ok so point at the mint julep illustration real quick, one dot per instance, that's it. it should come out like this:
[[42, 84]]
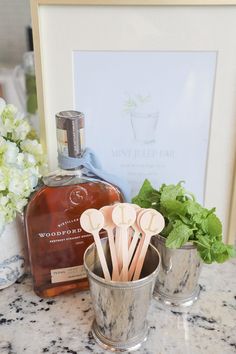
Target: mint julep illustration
[[143, 116]]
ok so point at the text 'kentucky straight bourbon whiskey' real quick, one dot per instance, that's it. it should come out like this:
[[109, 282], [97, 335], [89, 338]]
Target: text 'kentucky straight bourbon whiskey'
[[55, 238]]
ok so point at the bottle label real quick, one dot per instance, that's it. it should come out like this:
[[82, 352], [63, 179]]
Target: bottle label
[[66, 274]]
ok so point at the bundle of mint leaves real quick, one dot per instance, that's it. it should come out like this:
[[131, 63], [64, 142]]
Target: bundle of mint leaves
[[186, 221]]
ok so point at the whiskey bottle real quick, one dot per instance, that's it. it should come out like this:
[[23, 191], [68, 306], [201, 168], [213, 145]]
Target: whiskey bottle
[[56, 240]]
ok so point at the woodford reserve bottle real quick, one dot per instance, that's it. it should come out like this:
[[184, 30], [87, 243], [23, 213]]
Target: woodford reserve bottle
[[55, 239]]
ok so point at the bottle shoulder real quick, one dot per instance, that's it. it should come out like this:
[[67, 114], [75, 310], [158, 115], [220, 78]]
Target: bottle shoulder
[[61, 178], [69, 190]]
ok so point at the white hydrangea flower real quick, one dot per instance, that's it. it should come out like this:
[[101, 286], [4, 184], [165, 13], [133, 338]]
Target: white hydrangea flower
[[32, 146], [16, 184], [18, 117], [9, 125], [11, 152], [21, 160], [4, 206], [20, 132], [20, 203], [3, 129], [32, 182], [34, 171], [11, 109], [30, 159], [3, 200], [2, 144], [9, 211], [3, 178], [2, 105]]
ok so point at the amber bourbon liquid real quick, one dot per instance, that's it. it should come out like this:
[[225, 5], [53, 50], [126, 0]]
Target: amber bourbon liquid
[[56, 241]]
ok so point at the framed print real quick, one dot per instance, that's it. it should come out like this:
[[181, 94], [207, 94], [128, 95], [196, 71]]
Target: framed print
[[156, 83], [152, 102]]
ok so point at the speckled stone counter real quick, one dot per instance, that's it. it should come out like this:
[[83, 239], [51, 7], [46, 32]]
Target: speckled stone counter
[[32, 325]]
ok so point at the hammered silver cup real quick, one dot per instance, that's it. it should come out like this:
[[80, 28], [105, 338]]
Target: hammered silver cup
[[177, 283], [120, 307]]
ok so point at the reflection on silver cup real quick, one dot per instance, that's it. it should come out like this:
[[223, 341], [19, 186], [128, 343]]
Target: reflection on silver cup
[[120, 307], [177, 283], [144, 126]]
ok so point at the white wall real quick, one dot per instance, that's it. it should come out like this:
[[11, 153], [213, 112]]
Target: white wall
[[14, 17]]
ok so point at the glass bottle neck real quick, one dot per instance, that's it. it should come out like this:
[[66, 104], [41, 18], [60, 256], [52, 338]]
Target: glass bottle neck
[[78, 170], [70, 136]]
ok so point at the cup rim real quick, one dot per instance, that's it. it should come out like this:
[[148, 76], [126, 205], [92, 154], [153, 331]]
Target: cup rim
[[124, 284]]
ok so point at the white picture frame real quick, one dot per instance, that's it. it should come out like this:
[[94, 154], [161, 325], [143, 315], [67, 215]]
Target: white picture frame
[[61, 27]]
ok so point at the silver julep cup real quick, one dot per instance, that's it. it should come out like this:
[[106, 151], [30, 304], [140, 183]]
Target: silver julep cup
[[120, 307], [177, 283]]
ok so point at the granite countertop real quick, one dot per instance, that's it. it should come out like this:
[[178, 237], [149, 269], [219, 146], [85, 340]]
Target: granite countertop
[[61, 325]]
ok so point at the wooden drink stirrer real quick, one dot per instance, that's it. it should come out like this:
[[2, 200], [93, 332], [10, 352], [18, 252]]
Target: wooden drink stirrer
[[140, 245], [135, 239], [137, 232], [92, 221], [118, 245], [132, 230], [109, 227], [124, 215], [152, 223]]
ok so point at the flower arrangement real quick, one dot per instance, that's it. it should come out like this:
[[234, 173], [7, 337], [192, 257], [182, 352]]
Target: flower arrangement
[[21, 162]]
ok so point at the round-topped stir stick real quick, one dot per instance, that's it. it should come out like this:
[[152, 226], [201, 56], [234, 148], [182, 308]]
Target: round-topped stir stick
[[132, 233], [140, 245], [124, 215], [92, 221], [109, 227], [118, 248], [152, 223], [137, 232], [118, 240], [133, 244], [118, 245]]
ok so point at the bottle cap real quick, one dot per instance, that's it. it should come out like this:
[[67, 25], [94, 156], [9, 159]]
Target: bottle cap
[[70, 133]]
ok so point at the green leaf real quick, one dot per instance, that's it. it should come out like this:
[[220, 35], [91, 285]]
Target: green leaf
[[217, 252], [167, 229], [214, 225], [211, 226], [203, 240], [171, 192], [231, 250], [193, 207], [218, 247], [203, 223], [205, 255], [186, 220], [143, 199], [221, 252], [179, 235], [221, 257], [174, 207], [146, 189]]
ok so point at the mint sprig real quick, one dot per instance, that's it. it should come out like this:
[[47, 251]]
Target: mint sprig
[[186, 221]]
